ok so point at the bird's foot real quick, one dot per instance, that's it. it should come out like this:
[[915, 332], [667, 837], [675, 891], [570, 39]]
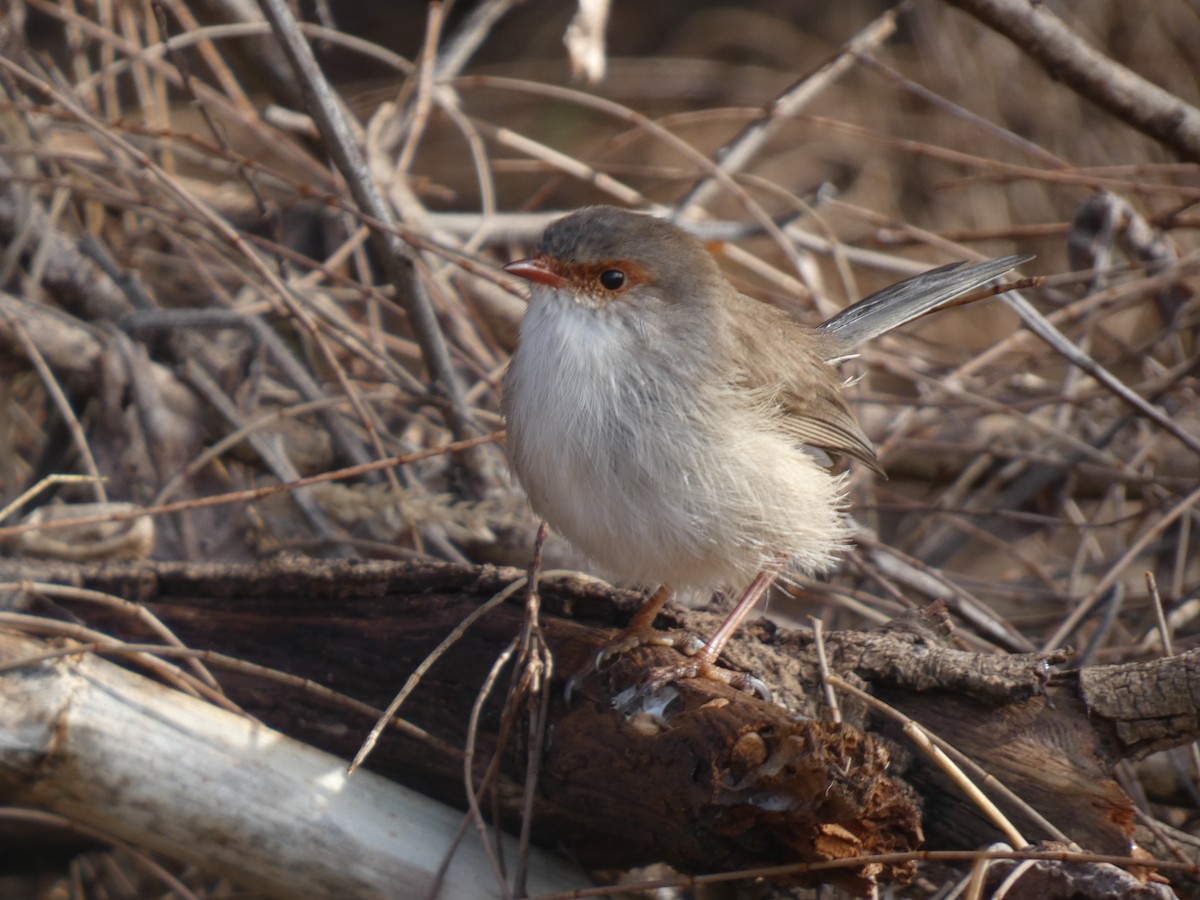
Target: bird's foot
[[701, 662], [631, 639], [699, 666]]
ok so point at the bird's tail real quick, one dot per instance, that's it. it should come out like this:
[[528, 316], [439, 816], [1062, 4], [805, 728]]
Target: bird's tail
[[909, 299]]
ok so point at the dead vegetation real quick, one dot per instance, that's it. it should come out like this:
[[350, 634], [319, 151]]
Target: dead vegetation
[[210, 289]]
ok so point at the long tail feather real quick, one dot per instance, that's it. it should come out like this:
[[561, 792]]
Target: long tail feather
[[907, 300]]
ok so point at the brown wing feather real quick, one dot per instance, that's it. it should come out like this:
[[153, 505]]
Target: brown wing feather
[[794, 373]]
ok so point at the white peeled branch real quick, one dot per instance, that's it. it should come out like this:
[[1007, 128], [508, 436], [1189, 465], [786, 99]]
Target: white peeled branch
[[145, 763]]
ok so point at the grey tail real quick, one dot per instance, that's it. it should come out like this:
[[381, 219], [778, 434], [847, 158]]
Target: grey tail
[[911, 298]]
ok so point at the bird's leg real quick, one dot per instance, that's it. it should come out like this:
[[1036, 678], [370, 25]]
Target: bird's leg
[[640, 632], [703, 663], [642, 622]]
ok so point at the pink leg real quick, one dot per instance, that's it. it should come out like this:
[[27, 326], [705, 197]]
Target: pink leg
[[703, 664], [756, 591]]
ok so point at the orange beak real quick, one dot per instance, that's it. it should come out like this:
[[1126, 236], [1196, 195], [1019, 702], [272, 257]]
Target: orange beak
[[537, 270]]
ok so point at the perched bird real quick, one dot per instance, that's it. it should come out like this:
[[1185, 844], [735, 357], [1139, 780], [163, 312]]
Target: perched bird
[[679, 432]]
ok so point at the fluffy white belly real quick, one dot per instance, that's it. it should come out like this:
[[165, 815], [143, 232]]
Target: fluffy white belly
[[656, 481]]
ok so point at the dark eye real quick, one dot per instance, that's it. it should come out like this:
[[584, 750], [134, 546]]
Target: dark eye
[[612, 279]]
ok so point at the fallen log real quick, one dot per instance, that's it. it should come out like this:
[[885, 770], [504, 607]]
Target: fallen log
[[709, 778]]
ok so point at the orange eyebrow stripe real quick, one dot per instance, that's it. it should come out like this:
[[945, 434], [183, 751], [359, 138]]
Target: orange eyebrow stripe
[[586, 276]]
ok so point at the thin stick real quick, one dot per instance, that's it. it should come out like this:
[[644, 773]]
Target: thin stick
[[45, 483], [471, 33], [1017, 873], [1041, 326], [541, 665], [1100, 590], [418, 113], [831, 701], [767, 873], [172, 674], [926, 741], [54, 820], [143, 615], [323, 106], [215, 450], [537, 745], [1069, 59], [737, 153], [257, 493], [108, 646], [469, 761], [1163, 629], [62, 404], [434, 655]]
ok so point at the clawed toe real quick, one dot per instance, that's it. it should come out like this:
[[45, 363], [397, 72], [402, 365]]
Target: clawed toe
[[646, 694], [701, 662], [686, 643]]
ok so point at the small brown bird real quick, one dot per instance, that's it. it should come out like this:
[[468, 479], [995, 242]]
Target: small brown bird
[[679, 432]]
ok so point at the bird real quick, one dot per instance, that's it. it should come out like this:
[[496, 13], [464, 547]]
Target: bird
[[680, 433]]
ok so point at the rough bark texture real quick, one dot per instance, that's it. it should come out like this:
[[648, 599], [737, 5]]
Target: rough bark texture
[[1149, 704]]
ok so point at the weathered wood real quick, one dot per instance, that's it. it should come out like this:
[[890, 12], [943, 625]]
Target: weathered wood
[[1150, 705], [145, 763]]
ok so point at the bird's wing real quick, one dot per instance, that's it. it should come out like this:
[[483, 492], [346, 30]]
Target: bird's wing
[[813, 409], [792, 375]]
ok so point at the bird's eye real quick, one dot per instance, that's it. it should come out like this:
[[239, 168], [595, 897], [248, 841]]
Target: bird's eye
[[612, 279]]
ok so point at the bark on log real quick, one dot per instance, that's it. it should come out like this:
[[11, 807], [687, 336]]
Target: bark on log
[[715, 780]]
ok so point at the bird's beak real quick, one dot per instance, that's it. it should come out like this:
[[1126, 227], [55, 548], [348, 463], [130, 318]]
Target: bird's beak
[[537, 270]]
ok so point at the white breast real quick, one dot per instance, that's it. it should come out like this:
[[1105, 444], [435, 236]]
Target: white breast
[[658, 481]]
